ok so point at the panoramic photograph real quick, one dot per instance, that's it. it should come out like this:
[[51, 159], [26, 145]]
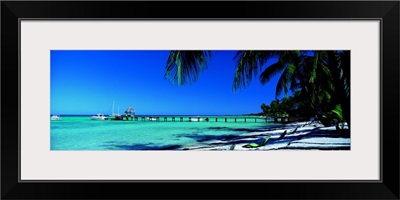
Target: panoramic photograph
[[200, 100]]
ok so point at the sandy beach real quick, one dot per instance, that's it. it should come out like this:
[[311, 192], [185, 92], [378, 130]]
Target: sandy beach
[[299, 136]]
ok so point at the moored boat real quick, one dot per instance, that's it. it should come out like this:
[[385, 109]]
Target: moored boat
[[114, 114], [98, 117], [55, 117]]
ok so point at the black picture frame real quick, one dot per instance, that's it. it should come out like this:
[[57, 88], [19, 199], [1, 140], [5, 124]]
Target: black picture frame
[[386, 11]]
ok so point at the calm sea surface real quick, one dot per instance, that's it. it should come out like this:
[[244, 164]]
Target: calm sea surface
[[82, 133]]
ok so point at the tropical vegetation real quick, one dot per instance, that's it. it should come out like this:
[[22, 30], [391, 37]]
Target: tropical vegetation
[[318, 80], [292, 106]]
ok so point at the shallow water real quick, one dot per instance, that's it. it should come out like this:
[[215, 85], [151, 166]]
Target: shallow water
[[82, 133]]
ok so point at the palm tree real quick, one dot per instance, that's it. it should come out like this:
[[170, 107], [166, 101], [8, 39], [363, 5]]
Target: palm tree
[[320, 77], [339, 65], [326, 84], [299, 71]]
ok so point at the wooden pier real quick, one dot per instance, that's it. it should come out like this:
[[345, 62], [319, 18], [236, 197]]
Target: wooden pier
[[190, 119], [207, 119]]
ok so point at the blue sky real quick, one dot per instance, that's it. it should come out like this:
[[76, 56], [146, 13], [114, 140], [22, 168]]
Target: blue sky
[[87, 82]]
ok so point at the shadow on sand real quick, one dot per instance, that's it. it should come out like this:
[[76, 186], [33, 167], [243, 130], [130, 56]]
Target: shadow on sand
[[149, 146], [217, 140], [284, 143]]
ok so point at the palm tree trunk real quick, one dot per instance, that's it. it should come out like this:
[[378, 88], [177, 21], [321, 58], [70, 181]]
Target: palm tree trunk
[[341, 77]]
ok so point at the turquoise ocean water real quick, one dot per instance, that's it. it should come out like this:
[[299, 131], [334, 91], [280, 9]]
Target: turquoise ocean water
[[82, 133]]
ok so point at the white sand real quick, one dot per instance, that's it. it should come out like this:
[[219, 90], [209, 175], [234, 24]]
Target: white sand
[[300, 139]]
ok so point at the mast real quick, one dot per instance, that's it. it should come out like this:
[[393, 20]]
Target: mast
[[113, 109]]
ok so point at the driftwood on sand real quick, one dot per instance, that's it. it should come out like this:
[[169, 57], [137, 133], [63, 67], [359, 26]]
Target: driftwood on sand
[[285, 132]]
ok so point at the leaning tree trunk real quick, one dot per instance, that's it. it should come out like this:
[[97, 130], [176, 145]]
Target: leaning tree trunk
[[316, 109], [324, 121]]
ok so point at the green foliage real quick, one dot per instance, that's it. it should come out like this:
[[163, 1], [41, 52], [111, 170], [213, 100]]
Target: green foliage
[[266, 109], [287, 106], [338, 112], [184, 67], [335, 116], [248, 65], [320, 80]]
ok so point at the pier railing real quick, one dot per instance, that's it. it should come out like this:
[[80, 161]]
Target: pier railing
[[192, 119]]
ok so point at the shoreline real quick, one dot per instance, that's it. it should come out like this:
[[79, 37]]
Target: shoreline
[[298, 136]]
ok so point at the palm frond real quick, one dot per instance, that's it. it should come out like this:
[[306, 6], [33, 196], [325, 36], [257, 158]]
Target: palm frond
[[248, 65], [338, 111], [271, 71], [184, 67], [283, 83], [313, 73]]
